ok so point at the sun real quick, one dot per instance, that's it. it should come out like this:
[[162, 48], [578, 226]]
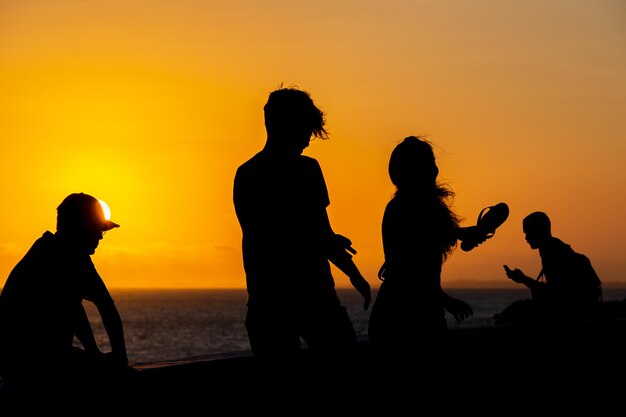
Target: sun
[[105, 209]]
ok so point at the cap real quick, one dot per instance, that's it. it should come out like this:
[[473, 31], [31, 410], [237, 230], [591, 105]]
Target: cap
[[83, 209]]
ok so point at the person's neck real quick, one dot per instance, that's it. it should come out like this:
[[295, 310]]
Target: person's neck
[[69, 241], [275, 148]]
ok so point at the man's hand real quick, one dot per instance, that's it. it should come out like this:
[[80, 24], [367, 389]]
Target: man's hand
[[343, 260], [344, 243], [515, 275]]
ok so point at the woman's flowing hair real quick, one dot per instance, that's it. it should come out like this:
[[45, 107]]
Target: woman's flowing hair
[[413, 170], [445, 198]]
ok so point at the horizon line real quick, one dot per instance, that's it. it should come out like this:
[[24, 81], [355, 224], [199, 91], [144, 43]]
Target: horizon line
[[457, 284]]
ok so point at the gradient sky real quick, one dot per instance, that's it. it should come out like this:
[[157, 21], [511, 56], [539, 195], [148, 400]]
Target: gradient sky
[[152, 105]]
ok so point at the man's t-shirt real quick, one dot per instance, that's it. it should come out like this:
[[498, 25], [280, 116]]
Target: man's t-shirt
[[280, 203]]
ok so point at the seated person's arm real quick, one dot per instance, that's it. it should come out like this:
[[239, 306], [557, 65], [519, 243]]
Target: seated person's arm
[[112, 323], [516, 275], [84, 333]]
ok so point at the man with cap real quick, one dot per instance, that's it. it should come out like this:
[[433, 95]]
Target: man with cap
[[41, 310]]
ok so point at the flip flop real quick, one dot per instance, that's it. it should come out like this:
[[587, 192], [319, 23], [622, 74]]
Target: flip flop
[[489, 219]]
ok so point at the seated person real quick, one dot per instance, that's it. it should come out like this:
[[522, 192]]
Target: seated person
[[41, 308], [571, 287]]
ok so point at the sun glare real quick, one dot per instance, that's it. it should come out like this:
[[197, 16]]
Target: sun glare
[[106, 209]]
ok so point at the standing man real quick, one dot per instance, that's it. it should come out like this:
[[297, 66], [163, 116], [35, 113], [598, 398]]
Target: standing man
[[280, 198], [41, 308]]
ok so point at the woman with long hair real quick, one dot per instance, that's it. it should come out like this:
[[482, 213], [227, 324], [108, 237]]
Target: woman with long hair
[[419, 232]]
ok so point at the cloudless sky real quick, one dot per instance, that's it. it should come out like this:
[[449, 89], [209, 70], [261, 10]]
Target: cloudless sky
[[152, 105]]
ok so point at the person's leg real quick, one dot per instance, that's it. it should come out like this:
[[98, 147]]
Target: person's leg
[[328, 328], [271, 333]]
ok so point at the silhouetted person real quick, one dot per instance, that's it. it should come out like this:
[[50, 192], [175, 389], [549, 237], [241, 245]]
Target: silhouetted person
[[419, 231], [41, 308], [280, 198], [571, 288]]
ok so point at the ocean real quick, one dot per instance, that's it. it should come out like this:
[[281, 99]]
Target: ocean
[[164, 325]]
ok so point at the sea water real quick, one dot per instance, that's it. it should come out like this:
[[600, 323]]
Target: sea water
[[164, 325]]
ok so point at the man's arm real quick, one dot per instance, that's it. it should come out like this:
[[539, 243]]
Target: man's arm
[[84, 333], [338, 248], [339, 252], [112, 323], [340, 257], [516, 275]]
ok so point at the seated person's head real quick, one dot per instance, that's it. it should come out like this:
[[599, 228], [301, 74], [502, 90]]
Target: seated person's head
[[81, 220], [537, 228]]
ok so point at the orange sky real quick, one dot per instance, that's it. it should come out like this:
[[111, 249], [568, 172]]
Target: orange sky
[[152, 105]]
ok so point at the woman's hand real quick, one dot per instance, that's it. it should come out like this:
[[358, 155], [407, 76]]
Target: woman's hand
[[459, 309]]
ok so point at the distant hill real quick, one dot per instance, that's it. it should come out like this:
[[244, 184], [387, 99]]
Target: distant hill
[[504, 284]]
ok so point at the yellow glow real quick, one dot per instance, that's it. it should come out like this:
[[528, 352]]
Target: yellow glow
[[524, 102], [105, 209]]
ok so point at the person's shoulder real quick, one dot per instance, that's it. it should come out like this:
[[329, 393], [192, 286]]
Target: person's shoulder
[[557, 245], [558, 252], [45, 240], [393, 202], [251, 163], [252, 160], [308, 159], [42, 248], [47, 236], [392, 207], [309, 162]]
